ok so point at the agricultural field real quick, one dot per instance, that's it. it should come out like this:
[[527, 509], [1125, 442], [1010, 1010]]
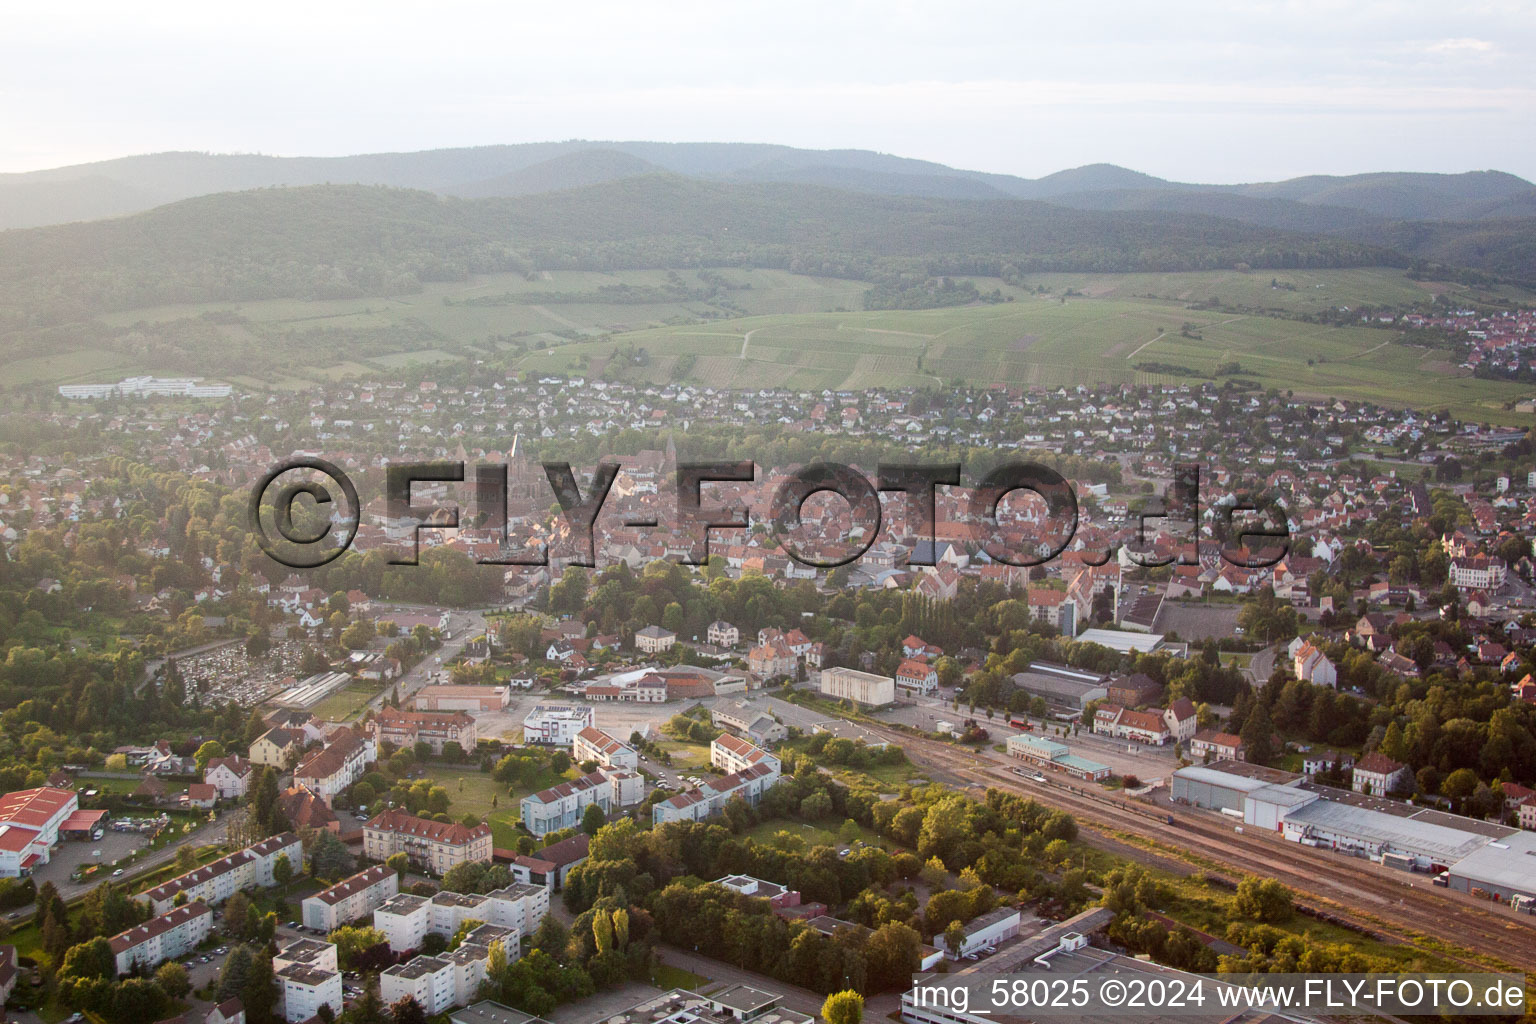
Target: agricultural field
[[1052, 341], [764, 328]]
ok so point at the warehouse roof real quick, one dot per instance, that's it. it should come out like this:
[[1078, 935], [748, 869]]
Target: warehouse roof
[[1435, 841], [1509, 863]]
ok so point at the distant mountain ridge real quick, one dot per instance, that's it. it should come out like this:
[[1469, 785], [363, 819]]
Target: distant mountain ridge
[[1481, 220], [136, 183]]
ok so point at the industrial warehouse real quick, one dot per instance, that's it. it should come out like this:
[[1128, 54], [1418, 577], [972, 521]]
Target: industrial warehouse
[[1478, 857]]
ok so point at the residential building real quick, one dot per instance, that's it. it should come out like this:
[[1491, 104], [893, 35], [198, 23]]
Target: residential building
[[722, 634], [1133, 691], [711, 798], [1478, 572], [654, 639], [404, 729], [1182, 720], [917, 677], [1379, 775], [431, 845], [306, 989], [749, 722], [772, 659], [217, 881], [556, 725], [1217, 746], [406, 920], [733, 754], [161, 938], [592, 744], [549, 866], [274, 747], [1053, 608], [1313, 666], [1122, 723], [334, 767], [562, 805], [230, 776], [628, 786], [351, 899], [864, 688]]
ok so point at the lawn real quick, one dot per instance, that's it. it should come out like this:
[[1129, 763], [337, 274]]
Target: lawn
[[686, 755], [346, 703], [667, 977], [474, 792]]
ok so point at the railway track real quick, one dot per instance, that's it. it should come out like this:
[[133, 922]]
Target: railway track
[[1401, 907]]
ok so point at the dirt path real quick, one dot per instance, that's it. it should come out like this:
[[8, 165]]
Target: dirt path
[[1144, 345]]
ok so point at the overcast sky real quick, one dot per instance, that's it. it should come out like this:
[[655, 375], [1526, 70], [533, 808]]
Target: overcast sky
[[1216, 92]]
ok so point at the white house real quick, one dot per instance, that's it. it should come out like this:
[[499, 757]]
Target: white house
[[161, 938], [350, 899]]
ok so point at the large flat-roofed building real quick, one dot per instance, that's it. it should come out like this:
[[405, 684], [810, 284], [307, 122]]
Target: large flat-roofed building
[[161, 938], [452, 697], [449, 979], [30, 822], [1391, 831], [308, 974], [1501, 869], [1122, 641], [989, 929], [407, 919], [1061, 686], [432, 845], [216, 882], [488, 1012], [350, 899], [556, 725], [732, 1003], [1347, 826], [864, 688]]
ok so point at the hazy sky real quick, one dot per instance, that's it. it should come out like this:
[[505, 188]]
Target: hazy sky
[[1215, 92]]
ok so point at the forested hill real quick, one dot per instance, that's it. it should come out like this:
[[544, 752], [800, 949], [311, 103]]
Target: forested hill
[[347, 240]]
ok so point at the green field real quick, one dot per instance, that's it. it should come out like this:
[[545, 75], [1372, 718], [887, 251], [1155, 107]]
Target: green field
[[346, 703], [1044, 341], [474, 792], [775, 328]]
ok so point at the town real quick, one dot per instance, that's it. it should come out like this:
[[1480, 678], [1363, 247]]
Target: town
[[749, 787]]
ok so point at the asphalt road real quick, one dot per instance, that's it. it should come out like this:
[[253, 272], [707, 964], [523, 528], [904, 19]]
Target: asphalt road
[[463, 625]]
